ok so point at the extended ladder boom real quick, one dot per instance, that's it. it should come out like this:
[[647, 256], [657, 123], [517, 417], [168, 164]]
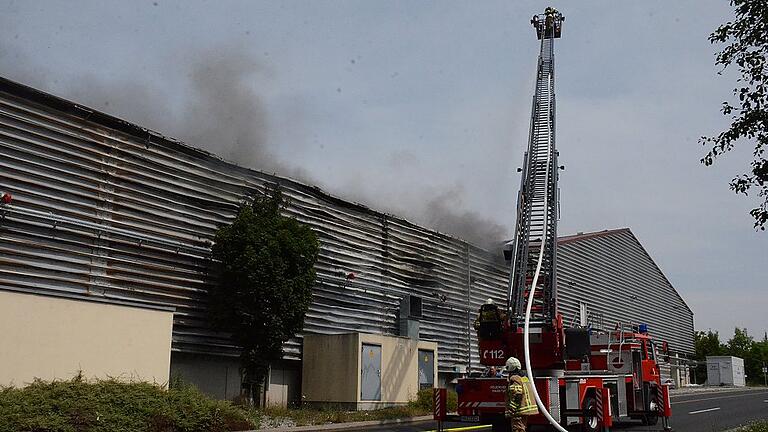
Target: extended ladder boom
[[537, 209]]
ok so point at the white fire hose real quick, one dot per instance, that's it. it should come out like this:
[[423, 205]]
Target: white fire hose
[[526, 346]]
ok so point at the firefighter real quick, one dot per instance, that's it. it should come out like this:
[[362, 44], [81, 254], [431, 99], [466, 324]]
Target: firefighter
[[490, 321], [520, 401], [550, 14]]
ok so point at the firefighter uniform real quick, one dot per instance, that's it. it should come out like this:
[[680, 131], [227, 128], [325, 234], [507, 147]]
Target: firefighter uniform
[[520, 403], [490, 321]]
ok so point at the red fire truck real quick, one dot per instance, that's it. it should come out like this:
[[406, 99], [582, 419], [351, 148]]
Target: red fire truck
[[581, 375], [606, 376]]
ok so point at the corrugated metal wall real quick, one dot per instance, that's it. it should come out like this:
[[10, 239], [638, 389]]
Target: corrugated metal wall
[[129, 215], [105, 208], [613, 274]]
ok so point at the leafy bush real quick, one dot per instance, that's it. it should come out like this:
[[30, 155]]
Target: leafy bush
[[759, 426], [424, 400], [112, 405]]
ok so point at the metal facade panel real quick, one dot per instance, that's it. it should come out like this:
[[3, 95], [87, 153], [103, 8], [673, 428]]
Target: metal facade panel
[[108, 210], [614, 275], [121, 216]]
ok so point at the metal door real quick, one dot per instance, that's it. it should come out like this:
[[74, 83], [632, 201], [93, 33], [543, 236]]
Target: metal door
[[370, 373], [426, 369], [713, 374]]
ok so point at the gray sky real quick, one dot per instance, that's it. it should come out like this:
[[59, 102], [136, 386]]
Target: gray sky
[[422, 109]]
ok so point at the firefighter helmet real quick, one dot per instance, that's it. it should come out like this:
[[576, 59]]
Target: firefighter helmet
[[513, 364]]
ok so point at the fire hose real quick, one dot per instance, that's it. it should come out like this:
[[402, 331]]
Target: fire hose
[[526, 328]]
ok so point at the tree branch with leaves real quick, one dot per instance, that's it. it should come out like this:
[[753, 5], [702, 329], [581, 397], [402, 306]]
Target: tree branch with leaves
[[746, 40]]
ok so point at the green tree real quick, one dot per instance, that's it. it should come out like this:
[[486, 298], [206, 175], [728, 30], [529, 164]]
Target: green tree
[[265, 265], [740, 344], [763, 358], [705, 344], [753, 352], [746, 40], [759, 357]]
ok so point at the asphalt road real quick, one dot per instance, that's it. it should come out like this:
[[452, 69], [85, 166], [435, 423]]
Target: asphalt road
[[704, 412], [718, 411]]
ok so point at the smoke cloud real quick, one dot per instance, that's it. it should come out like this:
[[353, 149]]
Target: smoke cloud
[[225, 114], [221, 111], [446, 213]]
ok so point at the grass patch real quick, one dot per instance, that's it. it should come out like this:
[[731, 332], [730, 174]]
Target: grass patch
[[758, 426], [421, 405], [111, 405], [274, 416]]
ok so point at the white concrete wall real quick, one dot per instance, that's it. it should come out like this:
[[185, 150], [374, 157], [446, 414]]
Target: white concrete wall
[[739, 374], [219, 377], [284, 384], [54, 338], [330, 369], [216, 376]]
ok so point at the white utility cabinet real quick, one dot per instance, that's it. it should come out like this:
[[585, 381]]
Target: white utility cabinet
[[725, 370]]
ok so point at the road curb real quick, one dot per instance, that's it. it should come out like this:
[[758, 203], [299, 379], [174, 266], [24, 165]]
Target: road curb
[[346, 426]]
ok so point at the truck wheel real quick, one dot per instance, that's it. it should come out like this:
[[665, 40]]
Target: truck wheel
[[652, 417], [590, 422]]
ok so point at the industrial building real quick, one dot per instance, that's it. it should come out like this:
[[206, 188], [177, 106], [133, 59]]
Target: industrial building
[[101, 213]]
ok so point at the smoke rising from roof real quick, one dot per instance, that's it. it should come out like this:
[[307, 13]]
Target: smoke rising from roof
[[446, 213], [220, 111], [225, 113]]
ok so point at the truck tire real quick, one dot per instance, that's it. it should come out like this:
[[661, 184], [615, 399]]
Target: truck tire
[[589, 420], [652, 416]]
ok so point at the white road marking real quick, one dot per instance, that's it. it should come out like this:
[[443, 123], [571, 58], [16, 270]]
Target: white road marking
[[704, 410]]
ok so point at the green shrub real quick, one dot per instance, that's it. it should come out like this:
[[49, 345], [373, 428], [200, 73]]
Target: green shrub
[[424, 399], [758, 426], [112, 405]]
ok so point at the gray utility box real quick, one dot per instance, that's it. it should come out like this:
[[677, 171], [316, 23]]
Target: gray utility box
[[725, 370]]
